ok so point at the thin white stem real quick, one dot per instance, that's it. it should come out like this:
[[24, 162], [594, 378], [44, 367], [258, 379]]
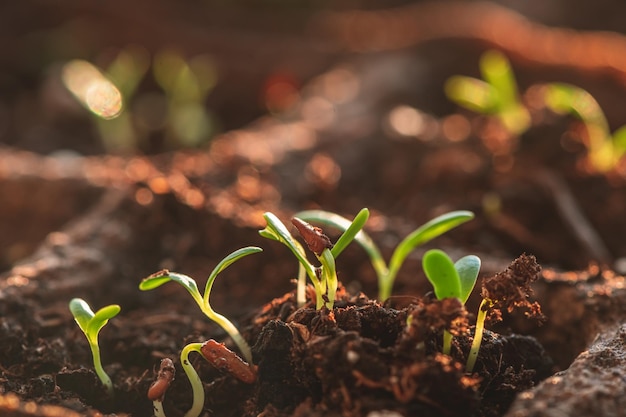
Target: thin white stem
[[158, 409]]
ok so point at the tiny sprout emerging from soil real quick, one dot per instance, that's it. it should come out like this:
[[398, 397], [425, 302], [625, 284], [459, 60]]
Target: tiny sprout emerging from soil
[[505, 291], [387, 273], [605, 150], [324, 278], [223, 359], [161, 277], [156, 392], [91, 323], [450, 280], [496, 95]]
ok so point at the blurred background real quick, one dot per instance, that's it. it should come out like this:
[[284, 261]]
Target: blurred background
[[138, 77]]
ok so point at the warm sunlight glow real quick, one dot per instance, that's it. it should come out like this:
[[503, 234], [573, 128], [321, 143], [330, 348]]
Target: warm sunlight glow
[[406, 121], [92, 89]]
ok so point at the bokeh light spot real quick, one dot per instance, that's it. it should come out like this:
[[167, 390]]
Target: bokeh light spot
[[96, 92]]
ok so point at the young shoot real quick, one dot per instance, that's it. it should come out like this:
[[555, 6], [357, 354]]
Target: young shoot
[[223, 359], [324, 278], [386, 273], [450, 280], [91, 323], [159, 278], [156, 392], [506, 290], [496, 94], [197, 389], [605, 150]]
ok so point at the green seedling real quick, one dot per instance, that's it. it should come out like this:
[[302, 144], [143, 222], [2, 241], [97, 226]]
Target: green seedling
[[483, 309], [605, 150], [91, 323], [197, 388], [159, 278], [324, 278], [450, 280], [496, 94], [386, 273], [221, 358]]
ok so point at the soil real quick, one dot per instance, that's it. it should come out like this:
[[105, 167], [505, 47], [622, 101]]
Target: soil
[[94, 226]]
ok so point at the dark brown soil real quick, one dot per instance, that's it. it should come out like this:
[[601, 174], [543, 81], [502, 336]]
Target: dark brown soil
[[94, 226]]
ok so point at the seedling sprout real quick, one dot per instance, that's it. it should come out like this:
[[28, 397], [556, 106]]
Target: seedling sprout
[[91, 323], [387, 273], [156, 392], [324, 278], [496, 94], [220, 357], [605, 150], [450, 280], [159, 278]]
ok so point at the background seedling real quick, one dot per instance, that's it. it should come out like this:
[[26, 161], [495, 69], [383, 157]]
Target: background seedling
[[450, 279], [159, 278], [605, 150], [497, 94], [324, 278], [91, 323], [387, 273]]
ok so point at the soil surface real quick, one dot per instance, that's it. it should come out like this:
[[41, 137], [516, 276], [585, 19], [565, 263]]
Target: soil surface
[[79, 222]]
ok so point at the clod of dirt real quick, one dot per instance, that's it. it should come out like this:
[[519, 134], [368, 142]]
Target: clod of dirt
[[594, 385]]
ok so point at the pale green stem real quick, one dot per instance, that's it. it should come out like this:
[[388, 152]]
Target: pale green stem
[[197, 388], [329, 274], [301, 287], [232, 331], [447, 342], [319, 292], [97, 363], [478, 334], [158, 409]]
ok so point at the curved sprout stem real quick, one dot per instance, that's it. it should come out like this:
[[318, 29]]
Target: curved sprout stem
[[478, 334], [196, 384]]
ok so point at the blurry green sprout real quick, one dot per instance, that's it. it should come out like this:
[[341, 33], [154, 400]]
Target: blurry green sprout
[[159, 278], [605, 150], [496, 94], [91, 323], [387, 273], [450, 280], [324, 278]]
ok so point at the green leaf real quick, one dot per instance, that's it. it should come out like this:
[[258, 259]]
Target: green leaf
[[428, 231], [159, 278], [276, 230], [334, 220], [467, 267], [472, 93], [225, 263], [91, 323], [442, 274], [101, 318], [350, 233], [497, 71], [82, 313]]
